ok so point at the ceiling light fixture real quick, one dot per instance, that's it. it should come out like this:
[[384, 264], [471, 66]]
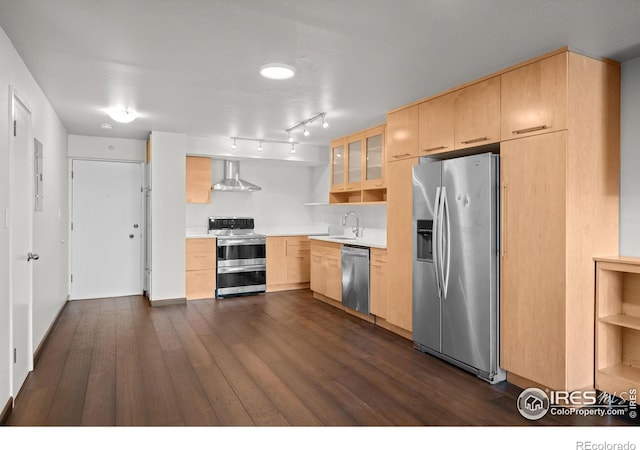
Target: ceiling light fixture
[[106, 126], [306, 122], [261, 141], [293, 149], [277, 71], [290, 137], [122, 115]]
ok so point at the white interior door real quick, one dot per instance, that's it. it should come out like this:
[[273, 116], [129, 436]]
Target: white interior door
[[107, 229], [21, 237]]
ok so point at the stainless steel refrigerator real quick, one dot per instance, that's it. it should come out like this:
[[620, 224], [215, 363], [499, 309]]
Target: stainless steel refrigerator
[[455, 262]]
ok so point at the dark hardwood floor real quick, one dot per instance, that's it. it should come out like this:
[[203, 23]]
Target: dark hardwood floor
[[273, 359]]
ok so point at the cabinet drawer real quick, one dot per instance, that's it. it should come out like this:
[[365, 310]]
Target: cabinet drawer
[[201, 245], [379, 255], [200, 284], [199, 261], [297, 248]]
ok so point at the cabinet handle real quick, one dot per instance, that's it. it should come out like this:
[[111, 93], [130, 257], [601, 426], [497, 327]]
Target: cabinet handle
[[529, 130], [503, 222], [473, 141], [402, 155], [440, 147]]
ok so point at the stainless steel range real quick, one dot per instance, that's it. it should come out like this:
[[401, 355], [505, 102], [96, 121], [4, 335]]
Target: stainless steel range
[[241, 256]]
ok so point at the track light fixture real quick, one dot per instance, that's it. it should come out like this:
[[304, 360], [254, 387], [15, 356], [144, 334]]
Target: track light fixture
[[293, 148], [262, 141], [306, 122]]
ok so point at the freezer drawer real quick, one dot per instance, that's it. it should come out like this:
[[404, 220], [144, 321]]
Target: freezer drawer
[[355, 278]]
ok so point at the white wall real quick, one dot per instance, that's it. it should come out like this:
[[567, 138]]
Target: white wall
[[286, 187], [630, 160], [50, 225], [168, 166], [93, 147]]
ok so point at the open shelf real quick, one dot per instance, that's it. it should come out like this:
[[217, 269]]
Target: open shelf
[[617, 325], [622, 320]]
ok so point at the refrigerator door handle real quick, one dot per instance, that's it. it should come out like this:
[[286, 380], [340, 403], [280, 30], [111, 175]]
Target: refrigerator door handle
[[436, 240], [445, 275]]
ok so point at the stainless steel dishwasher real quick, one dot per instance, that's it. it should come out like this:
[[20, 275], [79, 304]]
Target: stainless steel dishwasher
[[355, 278]]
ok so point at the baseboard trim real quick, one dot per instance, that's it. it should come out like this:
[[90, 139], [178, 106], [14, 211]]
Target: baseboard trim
[[394, 328], [287, 287], [6, 411], [167, 302], [38, 353]]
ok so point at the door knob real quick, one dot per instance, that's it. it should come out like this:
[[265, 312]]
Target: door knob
[[33, 256], [131, 236], [135, 225]]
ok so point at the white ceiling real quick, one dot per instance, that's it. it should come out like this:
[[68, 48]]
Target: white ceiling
[[191, 66]]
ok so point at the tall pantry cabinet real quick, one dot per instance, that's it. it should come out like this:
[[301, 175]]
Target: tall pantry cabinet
[[560, 158]]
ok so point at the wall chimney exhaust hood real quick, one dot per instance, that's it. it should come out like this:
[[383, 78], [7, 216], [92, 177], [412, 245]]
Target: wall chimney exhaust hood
[[232, 182]]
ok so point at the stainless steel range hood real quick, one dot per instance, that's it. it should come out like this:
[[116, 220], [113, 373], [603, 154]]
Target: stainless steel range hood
[[232, 182]]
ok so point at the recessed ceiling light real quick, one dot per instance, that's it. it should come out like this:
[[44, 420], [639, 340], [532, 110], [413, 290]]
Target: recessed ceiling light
[[276, 71], [122, 115], [107, 126]]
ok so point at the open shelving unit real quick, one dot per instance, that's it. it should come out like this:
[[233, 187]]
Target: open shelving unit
[[617, 324]]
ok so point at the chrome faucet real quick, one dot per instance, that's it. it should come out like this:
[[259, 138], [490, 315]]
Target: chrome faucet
[[356, 229]]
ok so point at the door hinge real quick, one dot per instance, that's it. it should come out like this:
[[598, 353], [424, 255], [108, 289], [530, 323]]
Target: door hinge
[[15, 355], [72, 278], [15, 126], [71, 226], [72, 174]]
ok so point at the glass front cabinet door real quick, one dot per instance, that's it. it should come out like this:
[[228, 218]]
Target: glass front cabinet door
[[354, 162], [338, 165], [373, 158]]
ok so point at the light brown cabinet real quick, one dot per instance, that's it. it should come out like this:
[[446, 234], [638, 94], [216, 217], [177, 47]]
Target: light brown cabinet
[[378, 283], [618, 325], [200, 265], [436, 125], [534, 98], [288, 263], [357, 167], [559, 209], [402, 133], [338, 165], [198, 178], [326, 269], [477, 114], [399, 206]]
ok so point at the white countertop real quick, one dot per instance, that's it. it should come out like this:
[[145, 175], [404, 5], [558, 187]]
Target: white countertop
[[304, 230], [364, 242]]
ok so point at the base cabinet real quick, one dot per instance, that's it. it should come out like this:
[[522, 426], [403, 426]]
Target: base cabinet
[[618, 325], [200, 268], [378, 283], [326, 269], [288, 263]]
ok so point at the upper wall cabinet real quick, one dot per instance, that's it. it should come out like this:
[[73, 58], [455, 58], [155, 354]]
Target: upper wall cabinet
[[436, 125], [338, 165], [357, 167], [477, 114], [353, 161], [402, 133], [534, 98], [373, 140], [198, 179]]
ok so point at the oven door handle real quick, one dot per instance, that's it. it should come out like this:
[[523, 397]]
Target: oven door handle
[[238, 269], [229, 242]]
